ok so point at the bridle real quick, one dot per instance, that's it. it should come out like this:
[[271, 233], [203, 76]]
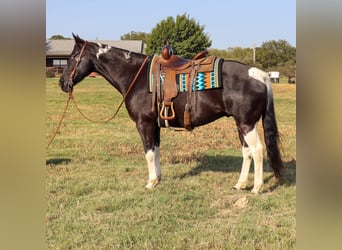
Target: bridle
[[78, 59]]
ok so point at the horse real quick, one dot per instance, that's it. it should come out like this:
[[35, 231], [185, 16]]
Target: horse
[[246, 95]]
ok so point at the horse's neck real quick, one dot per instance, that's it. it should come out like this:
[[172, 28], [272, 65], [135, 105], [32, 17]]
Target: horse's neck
[[119, 68]]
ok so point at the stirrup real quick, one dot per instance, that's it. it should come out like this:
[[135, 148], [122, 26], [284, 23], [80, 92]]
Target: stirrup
[[166, 117]]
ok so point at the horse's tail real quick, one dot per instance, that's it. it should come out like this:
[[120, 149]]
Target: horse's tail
[[271, 133]]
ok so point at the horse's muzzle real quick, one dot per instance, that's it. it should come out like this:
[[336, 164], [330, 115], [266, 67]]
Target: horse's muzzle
[[70, 85], [66, 86]]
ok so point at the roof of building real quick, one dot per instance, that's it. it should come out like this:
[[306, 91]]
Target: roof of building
[[64, 47]]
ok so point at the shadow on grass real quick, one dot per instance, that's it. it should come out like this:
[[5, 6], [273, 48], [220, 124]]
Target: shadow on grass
[[290, 177], [229, 164], [57, 161]]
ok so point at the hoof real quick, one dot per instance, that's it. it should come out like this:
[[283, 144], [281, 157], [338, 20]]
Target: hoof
[[152, 183], [240, 186], [256, 190]]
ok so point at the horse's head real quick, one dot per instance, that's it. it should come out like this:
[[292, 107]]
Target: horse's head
[[79, 65]]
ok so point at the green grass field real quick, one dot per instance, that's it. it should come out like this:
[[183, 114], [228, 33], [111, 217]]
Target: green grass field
[[96, 176]]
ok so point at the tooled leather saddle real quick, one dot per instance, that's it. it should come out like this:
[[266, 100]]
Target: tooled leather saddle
[[168, 66]]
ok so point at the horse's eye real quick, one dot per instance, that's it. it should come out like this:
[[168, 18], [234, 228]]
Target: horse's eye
[[74, 57]]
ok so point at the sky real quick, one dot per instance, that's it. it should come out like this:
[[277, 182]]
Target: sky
[[229, 23]]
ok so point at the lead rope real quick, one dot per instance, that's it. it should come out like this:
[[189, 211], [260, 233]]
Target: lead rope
[[91, 120], [71, 97], [122, 102], [60, 121]]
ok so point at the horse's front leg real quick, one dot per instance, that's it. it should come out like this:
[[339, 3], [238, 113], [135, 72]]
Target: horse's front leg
[[150, 136], [153, 163]]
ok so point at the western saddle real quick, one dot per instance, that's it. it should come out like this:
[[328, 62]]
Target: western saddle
[[168, 66]]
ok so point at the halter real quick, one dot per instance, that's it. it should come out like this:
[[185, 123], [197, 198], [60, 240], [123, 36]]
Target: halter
[[78, 59]]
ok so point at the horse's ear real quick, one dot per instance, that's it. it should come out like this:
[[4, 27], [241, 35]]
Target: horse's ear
[[78, 40]]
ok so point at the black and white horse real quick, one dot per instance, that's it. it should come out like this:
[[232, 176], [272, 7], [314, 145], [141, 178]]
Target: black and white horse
[[246, 95]]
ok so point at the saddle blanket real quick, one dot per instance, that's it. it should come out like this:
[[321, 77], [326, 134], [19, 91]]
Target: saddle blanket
[[203, 80]]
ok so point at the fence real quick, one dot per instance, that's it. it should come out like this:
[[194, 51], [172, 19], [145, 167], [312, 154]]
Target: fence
[[51, 72]]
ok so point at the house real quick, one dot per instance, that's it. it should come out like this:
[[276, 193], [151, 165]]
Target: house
[[58, 52], [275, 76]]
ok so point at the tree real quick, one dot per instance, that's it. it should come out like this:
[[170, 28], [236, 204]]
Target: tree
[[240, 54], [271, 56], [58, 37], [186, 36], [133, 35], [275, 53]]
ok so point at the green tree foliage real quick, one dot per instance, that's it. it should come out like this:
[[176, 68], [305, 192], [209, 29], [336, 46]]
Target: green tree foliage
[[133, 35], [186, 36], [58, 37], [240, 54], [271, 56], [275, 53], [219, 53]]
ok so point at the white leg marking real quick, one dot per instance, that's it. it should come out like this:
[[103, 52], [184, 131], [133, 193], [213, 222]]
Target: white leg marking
[[102, 50], [253, 141], [153, 168], [246, 163]]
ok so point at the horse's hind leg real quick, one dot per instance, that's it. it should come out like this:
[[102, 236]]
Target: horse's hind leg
[[246, 163], [252, 148], [253, 141]]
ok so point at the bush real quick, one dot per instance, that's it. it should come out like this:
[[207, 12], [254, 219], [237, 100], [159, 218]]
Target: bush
[[50, 74]]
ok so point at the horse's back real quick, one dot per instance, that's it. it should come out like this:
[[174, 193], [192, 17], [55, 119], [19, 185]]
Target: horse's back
[[243, 94], [238, 77]]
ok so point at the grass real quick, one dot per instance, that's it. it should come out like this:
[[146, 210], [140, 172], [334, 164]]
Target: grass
[[96, 175]]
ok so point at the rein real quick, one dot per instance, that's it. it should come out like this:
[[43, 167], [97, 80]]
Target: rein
[[71, 97], [60, 122]]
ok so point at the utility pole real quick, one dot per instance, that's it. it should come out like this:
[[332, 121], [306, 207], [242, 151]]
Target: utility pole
[[254, 53]]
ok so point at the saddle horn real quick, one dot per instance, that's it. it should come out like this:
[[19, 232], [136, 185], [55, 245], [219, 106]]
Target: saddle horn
[[167, 51]]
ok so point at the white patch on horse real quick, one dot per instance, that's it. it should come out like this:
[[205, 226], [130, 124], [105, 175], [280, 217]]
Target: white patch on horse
[[153, 163], [102, 49], [258, 74], [263, 77], [128, 55]]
